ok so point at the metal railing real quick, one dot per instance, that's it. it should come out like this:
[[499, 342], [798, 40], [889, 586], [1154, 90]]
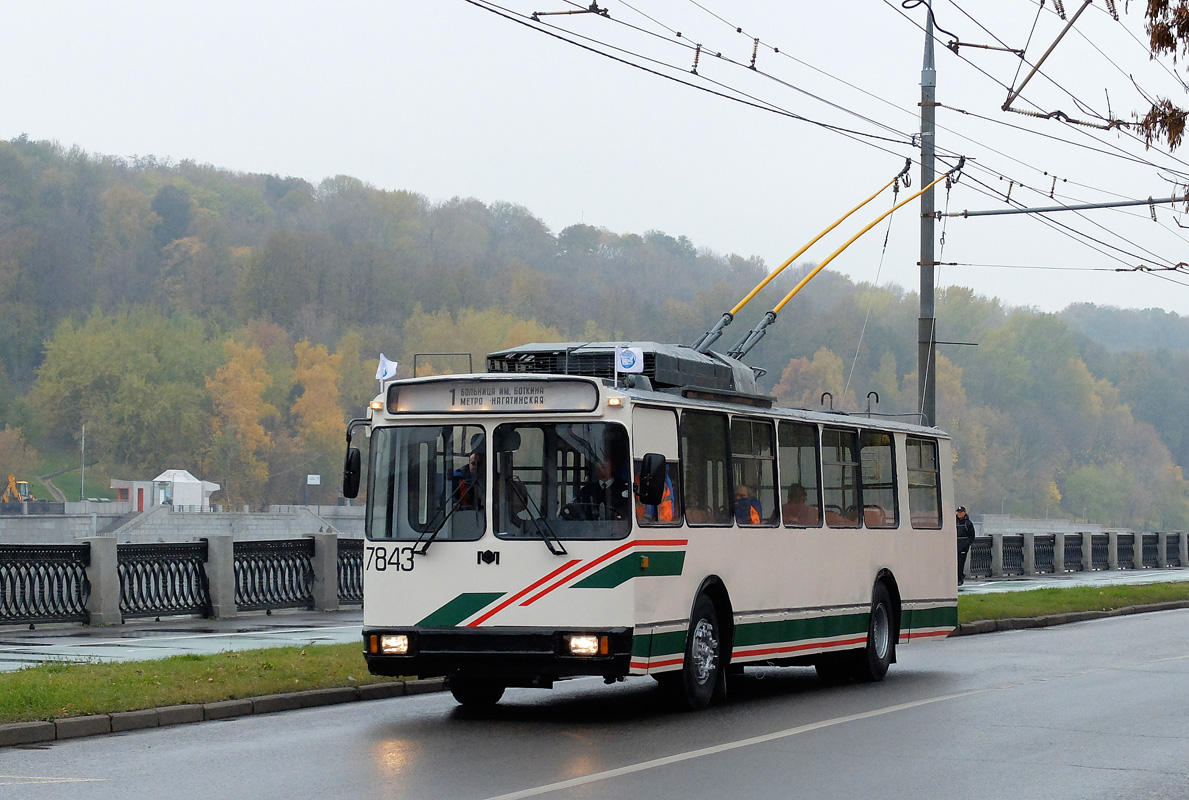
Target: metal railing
[[1043, 553], [1151, 549], [1172, 550], [161, 579], [1013, 555], [980, 558], [1100, 551], [44, 583], [1125, 551], [1073, 552], [276, 574], [350, 569]]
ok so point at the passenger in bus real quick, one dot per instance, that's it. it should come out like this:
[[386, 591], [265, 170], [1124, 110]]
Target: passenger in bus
[[747, 509], [665, 511], [796, 511], [604, 497]]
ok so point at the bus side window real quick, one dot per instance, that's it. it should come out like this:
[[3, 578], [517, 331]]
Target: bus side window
[[840, 478], [753, 468], [800, 482], [924, 484], [704, 468], [654, 430], [880, 509]]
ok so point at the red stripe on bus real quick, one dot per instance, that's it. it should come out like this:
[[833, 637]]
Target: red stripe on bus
[[767, 651], [522, 593], [609, 554], [672, 662], [922, 635]]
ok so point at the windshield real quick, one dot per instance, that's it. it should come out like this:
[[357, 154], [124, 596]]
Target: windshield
[[568, 480], [427, 482]]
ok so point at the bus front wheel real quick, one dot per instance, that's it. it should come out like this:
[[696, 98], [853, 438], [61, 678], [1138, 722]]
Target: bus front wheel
[[703, 656], [476, 692]]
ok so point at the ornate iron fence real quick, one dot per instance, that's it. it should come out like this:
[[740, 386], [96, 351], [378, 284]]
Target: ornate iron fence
[[159, 579], [1073, 552], [44, 583], [1125, 550], [1100, 551], [980, 557], [1044, 546], [1172, 549], [350, 570], [1151, 549], [1013, 555], [274, 574]]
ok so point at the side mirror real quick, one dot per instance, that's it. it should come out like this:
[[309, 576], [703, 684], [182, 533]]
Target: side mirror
[[652, 479], [351, 469]]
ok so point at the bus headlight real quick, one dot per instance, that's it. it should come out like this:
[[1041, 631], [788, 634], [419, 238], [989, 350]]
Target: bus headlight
[[394, 644], [587, 644]]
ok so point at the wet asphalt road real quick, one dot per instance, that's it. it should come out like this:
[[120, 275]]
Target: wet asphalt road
[[1090, 710]]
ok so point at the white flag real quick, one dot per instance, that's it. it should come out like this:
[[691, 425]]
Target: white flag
[[629, 359], [386, 370]]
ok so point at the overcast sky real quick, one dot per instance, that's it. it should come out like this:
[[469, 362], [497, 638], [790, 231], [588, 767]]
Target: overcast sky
[[447, 99]]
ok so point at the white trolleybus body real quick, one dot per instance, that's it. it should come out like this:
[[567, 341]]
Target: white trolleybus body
[[544, 521]]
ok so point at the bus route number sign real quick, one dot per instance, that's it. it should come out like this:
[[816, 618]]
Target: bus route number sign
[[498, 396]]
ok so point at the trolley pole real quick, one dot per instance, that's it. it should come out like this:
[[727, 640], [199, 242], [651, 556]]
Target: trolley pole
[[927, 324]]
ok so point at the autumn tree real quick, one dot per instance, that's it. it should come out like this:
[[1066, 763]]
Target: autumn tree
[[316, 413], [240, 443]]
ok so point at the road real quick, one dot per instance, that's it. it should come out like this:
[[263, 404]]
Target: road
[[1090, 710]]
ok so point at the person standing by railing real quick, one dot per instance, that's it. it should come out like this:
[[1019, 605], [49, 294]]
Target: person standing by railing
[[965, 539]]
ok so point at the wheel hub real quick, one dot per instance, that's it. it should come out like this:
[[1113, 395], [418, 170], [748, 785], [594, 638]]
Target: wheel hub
[[704, 651]]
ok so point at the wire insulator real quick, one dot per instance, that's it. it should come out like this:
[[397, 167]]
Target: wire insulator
[[697, 55], [1152, 209], [1060, 6], [1053, 188], [755, 49], [1110, 7], [1007, 198]]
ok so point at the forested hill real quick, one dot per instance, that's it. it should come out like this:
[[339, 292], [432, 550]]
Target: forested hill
[[229, 323]]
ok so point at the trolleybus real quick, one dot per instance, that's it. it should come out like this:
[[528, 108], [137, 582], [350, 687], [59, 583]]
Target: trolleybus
[[552, 518]]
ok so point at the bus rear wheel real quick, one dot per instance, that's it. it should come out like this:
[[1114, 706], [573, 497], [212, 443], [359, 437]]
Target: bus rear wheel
[[476, 692], [872, 663]]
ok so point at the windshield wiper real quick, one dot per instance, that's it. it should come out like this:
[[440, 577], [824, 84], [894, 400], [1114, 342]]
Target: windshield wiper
[[455, 504], [540, 524]]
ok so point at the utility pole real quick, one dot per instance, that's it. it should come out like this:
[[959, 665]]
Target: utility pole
[[82, 467], [927, 324]]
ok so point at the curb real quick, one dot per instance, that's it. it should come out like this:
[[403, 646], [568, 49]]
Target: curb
[[1024, 623], [26, 733]]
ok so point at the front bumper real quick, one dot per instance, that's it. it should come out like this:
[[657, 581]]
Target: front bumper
[[514, 656]]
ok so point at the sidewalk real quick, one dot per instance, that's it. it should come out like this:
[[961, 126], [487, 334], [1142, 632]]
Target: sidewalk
[[146, 638], [1115, 577]]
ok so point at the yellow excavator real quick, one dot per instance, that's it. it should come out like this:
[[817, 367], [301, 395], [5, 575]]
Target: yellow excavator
[[17, 491]]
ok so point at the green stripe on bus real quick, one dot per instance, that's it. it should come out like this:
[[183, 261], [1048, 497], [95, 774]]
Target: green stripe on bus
[[667, 644], [459, 609], [619, 572], [943, 617], [750, 634]]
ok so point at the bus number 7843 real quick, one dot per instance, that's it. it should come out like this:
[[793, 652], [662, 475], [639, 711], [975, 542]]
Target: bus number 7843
[[400, 559]]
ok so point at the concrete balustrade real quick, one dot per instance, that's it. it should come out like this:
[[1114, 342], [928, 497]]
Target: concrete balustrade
[[1122, 547]]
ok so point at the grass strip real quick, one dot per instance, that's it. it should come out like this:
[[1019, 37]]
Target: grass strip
[[63, 689], [55, 690], [1042, 602]]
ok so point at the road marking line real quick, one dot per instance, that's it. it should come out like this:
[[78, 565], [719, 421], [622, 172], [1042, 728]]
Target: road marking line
[[728, 746], [34, 780]]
